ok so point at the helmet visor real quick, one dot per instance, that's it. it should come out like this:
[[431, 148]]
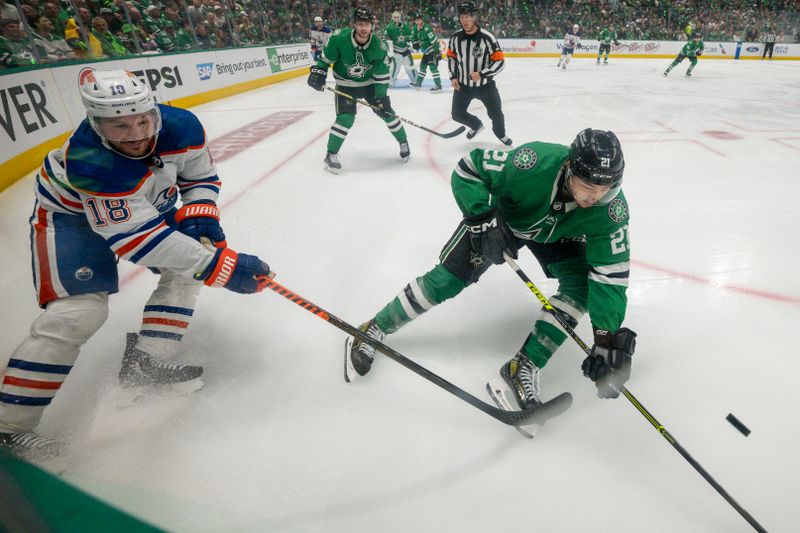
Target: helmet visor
[[128, 128], [588, 194]]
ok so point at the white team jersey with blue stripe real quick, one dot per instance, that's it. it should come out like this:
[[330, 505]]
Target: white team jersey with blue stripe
[[125, 200], [571, 40]]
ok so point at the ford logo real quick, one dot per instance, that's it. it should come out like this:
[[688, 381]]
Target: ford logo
[[752, 48]]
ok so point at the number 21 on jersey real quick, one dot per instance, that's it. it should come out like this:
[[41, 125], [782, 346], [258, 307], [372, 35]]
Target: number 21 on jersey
[[619, 240]]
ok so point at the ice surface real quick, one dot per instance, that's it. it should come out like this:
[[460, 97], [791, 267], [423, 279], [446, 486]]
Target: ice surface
[[276, 441]]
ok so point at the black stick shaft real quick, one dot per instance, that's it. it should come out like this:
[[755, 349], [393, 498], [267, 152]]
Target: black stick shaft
[[457, 131], [512, 418], [631, 398]]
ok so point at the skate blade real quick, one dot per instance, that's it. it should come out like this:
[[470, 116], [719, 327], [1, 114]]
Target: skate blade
[[501, 395], [332, 170], [125, 397], [350, 373]]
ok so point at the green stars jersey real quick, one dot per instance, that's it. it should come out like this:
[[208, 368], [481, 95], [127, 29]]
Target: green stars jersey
[[607, 36], [400, 35], [692, 47], [524, 184], [428, 42], [356, 65]]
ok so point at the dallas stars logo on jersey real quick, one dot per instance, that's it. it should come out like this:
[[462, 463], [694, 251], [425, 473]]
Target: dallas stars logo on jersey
[[358, 69]]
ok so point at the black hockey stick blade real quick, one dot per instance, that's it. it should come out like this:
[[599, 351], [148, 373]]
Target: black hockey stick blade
[[455, 133], [538, 414]]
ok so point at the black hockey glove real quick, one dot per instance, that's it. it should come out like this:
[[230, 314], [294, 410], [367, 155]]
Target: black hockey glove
[[616, 43], [698, 53], [415, 45], [316, 78], [609, 364], [490, 237], [385, 106], [431, 57]]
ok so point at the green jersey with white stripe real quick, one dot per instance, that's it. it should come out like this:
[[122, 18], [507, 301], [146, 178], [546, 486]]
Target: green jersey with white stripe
[[400, 35], [606, 36], [428, 42], [356, 65], [692, 47], [527, 186]]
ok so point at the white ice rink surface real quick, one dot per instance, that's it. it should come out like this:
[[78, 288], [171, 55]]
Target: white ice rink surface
[[276, 441]]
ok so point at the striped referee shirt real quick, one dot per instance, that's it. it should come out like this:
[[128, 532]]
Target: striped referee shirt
[[479, 52]]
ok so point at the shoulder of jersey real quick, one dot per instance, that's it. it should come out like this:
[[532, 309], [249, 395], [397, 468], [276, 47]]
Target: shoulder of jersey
[[94, 169], [535, 154], [180, 130]]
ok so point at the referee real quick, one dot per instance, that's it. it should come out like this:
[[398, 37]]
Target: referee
[[474, 58], [769, 42]]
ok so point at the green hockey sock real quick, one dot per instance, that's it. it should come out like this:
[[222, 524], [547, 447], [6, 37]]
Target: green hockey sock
[[339, 132], [547, 334], [422, 294]]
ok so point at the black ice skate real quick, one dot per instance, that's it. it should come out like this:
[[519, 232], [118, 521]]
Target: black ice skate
[[405, 151], [506, 140], [522, 378], [29, 445], [436, 89], [140, 369], [332, 163], [472, 133], [358, 355]]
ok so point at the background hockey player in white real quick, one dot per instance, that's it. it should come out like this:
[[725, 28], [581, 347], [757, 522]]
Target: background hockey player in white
[[110, 194], [319, 34], [571, 42]]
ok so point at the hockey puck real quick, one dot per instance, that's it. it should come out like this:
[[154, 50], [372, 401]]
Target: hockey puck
[[735, 422]]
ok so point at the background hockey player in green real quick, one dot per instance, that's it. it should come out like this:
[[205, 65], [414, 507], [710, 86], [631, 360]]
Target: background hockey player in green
[[692, 50], [400, 35], [565, 204], [360, 69], [606, 37], [425, 41]]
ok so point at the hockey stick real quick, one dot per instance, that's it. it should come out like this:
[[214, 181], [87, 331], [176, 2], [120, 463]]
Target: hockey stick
[[532, 415], [456, 132], [650, 418]]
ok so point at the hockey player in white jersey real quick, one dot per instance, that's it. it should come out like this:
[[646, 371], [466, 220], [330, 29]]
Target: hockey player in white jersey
[[319, 34], [571, 42], [110, 193]]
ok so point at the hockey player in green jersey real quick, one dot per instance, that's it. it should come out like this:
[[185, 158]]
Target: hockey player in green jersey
[[360, 69], [565, 204], [426, 42], [606, 37], [400, 35], [692, 50]]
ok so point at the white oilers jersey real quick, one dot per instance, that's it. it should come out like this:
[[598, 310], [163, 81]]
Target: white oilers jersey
[[319, 38], [571, 39], [130, 202]]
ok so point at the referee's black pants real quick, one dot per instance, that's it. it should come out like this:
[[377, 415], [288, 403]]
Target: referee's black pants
[[491, 99], [768, 48]]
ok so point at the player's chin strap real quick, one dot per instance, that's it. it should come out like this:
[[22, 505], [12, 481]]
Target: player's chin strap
[[650, 418], [456, 132]]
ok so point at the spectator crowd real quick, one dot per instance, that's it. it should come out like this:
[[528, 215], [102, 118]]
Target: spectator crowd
[[46, 31]]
